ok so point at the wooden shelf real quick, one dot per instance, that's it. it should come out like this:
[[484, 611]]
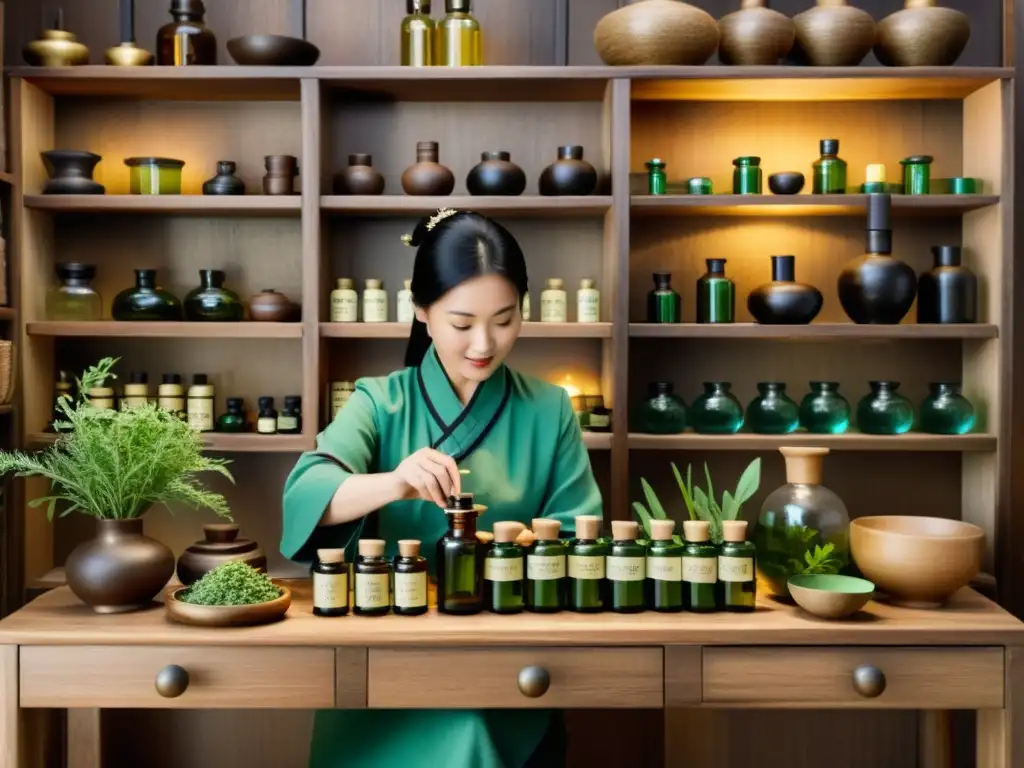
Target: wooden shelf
[[8, 313], [224, 443], [530, 330], [196, 205], [824, 331], [597, 441], [851, 441], [803, 205], [524, 206], [166, 330]]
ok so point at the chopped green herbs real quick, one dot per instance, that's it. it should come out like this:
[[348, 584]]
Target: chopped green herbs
[[234, 583]]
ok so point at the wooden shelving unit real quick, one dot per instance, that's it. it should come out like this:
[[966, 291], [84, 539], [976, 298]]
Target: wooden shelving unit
[[851, 441], [804, 205], [198, 205], [814, 331], [165, 330]]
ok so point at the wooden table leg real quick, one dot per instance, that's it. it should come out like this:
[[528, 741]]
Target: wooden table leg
[[10, 710], [934, 739], [84, 738], [1001, 731]]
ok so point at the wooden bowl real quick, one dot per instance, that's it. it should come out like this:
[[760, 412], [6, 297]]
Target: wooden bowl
[[226, 615], [830, 596], [920, 562], [272, 51]]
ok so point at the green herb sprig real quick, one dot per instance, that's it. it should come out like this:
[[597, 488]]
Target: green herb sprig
[[232, 583]]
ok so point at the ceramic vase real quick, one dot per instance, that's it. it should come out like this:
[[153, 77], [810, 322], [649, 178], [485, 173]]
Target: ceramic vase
[[755, 35], [220, 545], [833, 34], [497, 175], [225, 182], [269, 306], [427, 176], [71, 172], [359, 178], [923, 34], [280, 176], [655, 32], [570, 174], [146, 300], [784, 301], [877, 289], [948, 292]]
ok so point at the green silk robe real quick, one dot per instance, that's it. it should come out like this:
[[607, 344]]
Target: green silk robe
[[520, 439]]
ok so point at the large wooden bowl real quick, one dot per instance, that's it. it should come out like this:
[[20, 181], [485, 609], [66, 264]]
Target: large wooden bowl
[[919, 562], [272, 51], [226, 615]]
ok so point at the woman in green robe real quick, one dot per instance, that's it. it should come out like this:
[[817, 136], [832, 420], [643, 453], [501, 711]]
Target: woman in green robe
[[396, 449]]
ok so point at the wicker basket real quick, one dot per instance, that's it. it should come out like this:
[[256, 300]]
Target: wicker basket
[[6, 372]]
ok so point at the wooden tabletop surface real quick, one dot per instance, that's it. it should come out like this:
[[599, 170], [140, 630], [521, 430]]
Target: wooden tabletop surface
[[58, 618]]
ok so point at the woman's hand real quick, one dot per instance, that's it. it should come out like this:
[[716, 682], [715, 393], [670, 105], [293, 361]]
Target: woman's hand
[[429, 475]]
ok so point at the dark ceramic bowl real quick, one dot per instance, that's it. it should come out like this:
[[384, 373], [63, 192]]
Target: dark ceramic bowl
[[272, 51], [786, 183]]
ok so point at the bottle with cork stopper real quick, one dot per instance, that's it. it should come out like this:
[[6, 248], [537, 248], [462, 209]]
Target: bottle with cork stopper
[[460, 559], [545, 567], [410, 582], [504, 588], [874, 179], [626, 568], [737, 586], [330, 583], [373, 579], [664, 569], [587, 588], [700, 567]]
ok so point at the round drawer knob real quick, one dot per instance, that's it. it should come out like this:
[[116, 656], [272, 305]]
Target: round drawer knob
[[868, 681], [534, 681], [171, 681]]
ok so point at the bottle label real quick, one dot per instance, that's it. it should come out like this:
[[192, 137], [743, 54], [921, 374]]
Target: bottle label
[[504, 568], [375, 306], [330, 590], [266, 425], [344, 307], [102, 403], [588, 306], [665, 568], [134, 401], [372, 590], [172, 404], [735, 568], [586, 566], [598, 420], [625, 568], [545, 567], [552, 307], [200, 413], [405, 307], [700, 570], [287, 422], [410, 590]]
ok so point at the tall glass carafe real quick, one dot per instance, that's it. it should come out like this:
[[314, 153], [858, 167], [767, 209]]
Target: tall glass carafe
[[460, 559]]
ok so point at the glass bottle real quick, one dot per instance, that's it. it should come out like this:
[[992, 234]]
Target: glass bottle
[[657, 180], [737, 585], [406, 311], [200, 404], [136, 391], [553, 302], [345, 302], [946, 411], [773, 412], [598, 417], [700, 567], [717, 411], [460, 557], [330, 582], [587, 590], [526, 306], [233, 420], [716, 294], [417, 34], [664, 569], [375, 302], [410, 579], [289, 421], [504, 577], [373, 579], [626, 568], [747, 178], [545, 568], [948, 293], [824, 411], [146, 301], [266, 419], [884, 411], [588, 302], [663, 412], [61, 388], [211, 301], [664, 305], [74, 299], [829, 170], [170, 395], [459, 39], [186, 41], [917, 174], [803, 527]]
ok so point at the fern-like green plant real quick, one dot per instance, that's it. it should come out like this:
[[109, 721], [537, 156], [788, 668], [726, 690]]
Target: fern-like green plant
[[116, 464]]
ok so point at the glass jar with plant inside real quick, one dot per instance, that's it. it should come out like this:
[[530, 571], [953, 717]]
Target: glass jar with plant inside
[[114, 465]]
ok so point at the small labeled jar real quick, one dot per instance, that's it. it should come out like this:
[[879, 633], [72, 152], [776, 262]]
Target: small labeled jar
[[341, 391], [266, 421], [545, 568], [200, 404], [330, 583], [375, 302], [504, 575], [747, 176], [373, 579], [136, 391], [101, 398], [664, 569], [588, 302], [917, 174], [170, 395], [553, 302], [405, 308], [700, 567], [344, 302], [587, 588], [289, 420], [233, 421], [410, 579], [657, 180], [737, 563], [626, 568]]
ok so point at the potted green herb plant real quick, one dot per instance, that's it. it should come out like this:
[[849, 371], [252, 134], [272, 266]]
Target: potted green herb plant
[[114, 465]]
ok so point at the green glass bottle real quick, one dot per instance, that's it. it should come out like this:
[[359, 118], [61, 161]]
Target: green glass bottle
[[663, 412], [716, 294], [717, 411], [233, 420], [460, 559], [737, 586], [211, 301], [884, 411], [373, 579], [773, 412], [545, 568], [146, 300], [824, 411], [664, 305], [587, 587], [664, 584], [700, 567], [946, 411], [504, 588], [747, 176], [917, 174], [657, 180], [829, 170], [409, 582], [626, 568]]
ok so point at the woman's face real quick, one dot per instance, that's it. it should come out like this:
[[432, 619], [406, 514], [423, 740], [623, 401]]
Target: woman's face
[[474, 326]]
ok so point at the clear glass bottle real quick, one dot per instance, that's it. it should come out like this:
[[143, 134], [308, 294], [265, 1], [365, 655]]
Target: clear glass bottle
[[663, 412], [829, 170], [170, 395], [824, 411], [330, 582], [626, 568], [136, 391], [664, 305], [186, 41], [504, 575], [344, 302], [884, 411], [373, 579], [700, 567], [588, 302], [737, 563], [74, 299], [459, 38], [410, 579], [289, 420], [233, 420], [417, 34], [375, 302], [664, 569], [587, 587], [553, 302], [200, 404], [946, 411], [718, 411], [545, 568], [460, 559], [773, 412], [405, 309], [266, 420], [716, 294]]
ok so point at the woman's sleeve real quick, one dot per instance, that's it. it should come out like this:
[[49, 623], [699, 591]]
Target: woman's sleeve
[[348, 446]]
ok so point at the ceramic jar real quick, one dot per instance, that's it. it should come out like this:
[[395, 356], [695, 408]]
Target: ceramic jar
[[884, 411], [784, 301], [662, 412], [56, 48], [71, 172], [570, 174], [225, 182], [922, 35], [220, 545], [833, 34], [948, 292], [280, 176], [755, 35], [359, 178], [772, 412], [269, 306], [427, 176], [497, 175], [653, 32], [211, 301], [146, 300]]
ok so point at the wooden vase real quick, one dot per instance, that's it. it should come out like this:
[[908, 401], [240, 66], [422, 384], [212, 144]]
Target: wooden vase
[[922, 35], [656, 32], [833, 34], [755, 35]]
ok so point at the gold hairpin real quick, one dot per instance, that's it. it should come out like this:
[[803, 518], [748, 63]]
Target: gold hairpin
[[441, 215], [407, 239]]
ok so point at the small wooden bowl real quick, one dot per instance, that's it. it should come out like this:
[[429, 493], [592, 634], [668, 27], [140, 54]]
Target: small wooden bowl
[[226, 615], [273, 51], [830, 596]]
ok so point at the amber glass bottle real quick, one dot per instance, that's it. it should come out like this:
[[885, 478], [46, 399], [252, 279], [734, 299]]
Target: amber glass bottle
[[186, 41], [330, 583], [460, 559], [664, 569], [587, 588], [410, 581], [503, 570], [626, 568], [373, 579], [545, 568]]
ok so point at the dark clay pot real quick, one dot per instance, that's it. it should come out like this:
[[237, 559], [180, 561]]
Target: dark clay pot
[[359, 178], [221, 545], [569, 175], [496, 174], [225, 182], [784, 301], [427, 176], [786, 183], [121, 569], [269, 306], [71, 173]]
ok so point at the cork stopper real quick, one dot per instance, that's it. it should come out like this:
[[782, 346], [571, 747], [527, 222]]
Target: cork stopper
[[803, 465], [588, 526], [374, 284], [555, 283], [696, 530], [371, 547], [409, 547], [661, 530], [734, 530], [407, 284], [507, 531], [875, 173], [345, 283], [625, 530], [331, 555], [545, 528]]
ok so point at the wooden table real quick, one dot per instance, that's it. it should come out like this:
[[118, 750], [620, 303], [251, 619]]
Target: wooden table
[[56, 653]]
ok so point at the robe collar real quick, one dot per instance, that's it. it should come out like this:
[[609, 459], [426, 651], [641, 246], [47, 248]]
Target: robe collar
[[458, 430]]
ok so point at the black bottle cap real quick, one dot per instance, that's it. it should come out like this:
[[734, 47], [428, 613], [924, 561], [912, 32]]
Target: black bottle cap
[[171, 378], [829, 146], [417, 6], [783, 269], [75, 269], [188, 7], [235, 403], [200, 379], [946, 255], [715, 266], [879, 231], [660, 388], [662, 279], [292, 401], [464, 501], [138, 377], [266, 402], [457, 6]]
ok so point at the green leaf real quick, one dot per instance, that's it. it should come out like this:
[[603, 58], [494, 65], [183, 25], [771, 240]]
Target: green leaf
[[644, 515], [684, 490], [711, 488], [657, 510], [749, 482], [729, 506]]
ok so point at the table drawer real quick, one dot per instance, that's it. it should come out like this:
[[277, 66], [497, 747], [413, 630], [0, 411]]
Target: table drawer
[[888, 678], [462, 678], [112, 676]]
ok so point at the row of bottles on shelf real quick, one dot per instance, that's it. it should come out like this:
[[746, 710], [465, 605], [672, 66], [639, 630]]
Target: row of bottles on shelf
[[823, 410], [454, 41]]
